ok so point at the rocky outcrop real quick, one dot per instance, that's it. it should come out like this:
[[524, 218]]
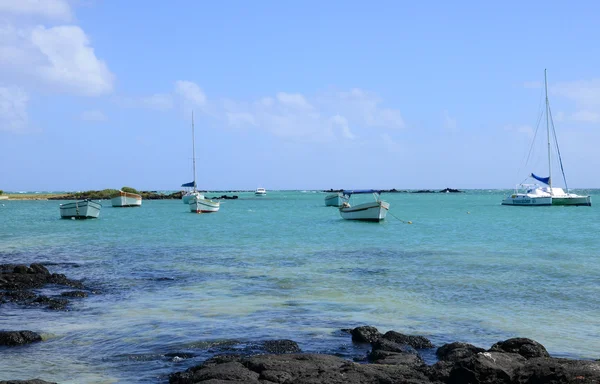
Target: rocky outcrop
[[18, 282], [395, 358], [13, 338]]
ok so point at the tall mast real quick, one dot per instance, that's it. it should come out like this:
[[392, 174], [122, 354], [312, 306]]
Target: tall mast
[[548, 132], [194, 151]]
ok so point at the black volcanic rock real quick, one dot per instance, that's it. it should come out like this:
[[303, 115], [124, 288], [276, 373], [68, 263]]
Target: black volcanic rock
[[12, 338]]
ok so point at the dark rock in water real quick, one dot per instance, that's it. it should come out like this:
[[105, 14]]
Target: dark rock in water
[[392, 360], [32, 381], [74, 294], [456, 351], [17, 280], [409, 358], [35, 276], [365, 334], [450, 190], [281, 346], [487, 367], [418, 342], [56, 304], [298, 368], [13, 338], [525, 347], [391, 346], [553, 370]]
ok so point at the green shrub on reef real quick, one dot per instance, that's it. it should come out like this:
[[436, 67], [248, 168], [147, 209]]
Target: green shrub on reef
[[130, 190], [1, 191]]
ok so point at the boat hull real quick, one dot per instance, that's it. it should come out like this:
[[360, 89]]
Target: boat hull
[[527, 201], [187, 197], [335, 200], [126, 199], [201, 205], [572, 201], [374, 211], [81, 209]]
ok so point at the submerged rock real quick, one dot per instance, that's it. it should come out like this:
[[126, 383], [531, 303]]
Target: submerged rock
[[13, 338]]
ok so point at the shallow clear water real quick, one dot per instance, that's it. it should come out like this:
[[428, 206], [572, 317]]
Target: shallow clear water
[[285, 266]]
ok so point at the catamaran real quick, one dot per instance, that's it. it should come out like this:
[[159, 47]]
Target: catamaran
[[536, 195]]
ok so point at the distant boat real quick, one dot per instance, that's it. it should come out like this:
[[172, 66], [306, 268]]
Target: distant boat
[[260, 192], [536, 195], [371, 211], [195, 199], [335, 199], [80, 209], [126, 199]]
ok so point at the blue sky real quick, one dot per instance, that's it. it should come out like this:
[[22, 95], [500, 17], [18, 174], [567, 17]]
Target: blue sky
[[294, 95]]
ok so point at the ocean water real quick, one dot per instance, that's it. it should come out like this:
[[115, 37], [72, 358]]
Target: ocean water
[[284, 266]]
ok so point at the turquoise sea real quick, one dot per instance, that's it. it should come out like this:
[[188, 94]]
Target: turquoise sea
[[285, 266]]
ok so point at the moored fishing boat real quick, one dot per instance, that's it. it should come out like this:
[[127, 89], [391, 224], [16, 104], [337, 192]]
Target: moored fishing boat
[[199, 204], [80, 209], [335, 199], [260, 192], [371, 211], [126, 199]]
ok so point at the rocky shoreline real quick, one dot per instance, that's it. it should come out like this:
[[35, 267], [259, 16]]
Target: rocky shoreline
[[392, 357]]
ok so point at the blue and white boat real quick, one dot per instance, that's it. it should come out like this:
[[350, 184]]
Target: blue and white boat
[[335, 199], [370, 211], [80, 209], [193, 198], [548, 195]]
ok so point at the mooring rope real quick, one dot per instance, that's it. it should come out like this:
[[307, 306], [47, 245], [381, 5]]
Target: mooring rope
[[397, 218]]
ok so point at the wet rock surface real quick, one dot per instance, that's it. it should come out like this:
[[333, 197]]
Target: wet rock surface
[[19, 285], [13, 338], [395, 358]]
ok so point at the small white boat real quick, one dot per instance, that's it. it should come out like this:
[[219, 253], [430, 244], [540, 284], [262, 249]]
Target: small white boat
[[371, 211], [80, 209], [126, 199], [260, 192], [533, 195], [335, 199], [549, 195], [198, 204]]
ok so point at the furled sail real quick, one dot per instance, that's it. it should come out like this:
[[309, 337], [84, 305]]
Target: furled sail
[[545, 180], [189, 185]]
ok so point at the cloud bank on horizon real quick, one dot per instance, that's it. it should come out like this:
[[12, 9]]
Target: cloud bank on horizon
[[72, 72]]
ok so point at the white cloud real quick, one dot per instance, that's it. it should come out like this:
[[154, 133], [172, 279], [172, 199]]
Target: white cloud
[[342, 123], [322, 117], [449, 122], [586, 116], [191, 93], [53, 9], [93, 115], [159, 101], [71, 62], [585, 95], [13, 109], [526, 130], [293, 100], [56, 58]]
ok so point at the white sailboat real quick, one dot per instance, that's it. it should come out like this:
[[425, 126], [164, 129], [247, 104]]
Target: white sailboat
[[536, 195], [195, 199], [371, 211]]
